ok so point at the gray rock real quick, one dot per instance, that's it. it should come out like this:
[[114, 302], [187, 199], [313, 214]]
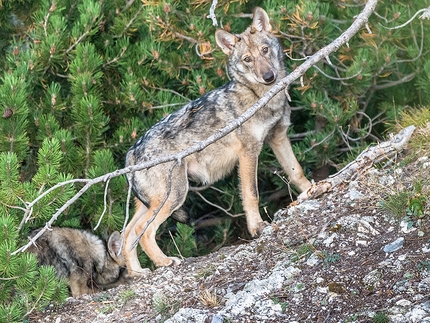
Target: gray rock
[[394, 246]]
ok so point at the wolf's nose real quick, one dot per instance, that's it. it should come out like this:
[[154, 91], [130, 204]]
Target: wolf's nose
[[269, 77]]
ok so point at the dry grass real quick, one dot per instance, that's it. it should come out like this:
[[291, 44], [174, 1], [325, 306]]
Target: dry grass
[[209, 298]]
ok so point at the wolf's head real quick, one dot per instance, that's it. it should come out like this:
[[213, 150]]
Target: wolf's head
[[255, 56], [112, 271]]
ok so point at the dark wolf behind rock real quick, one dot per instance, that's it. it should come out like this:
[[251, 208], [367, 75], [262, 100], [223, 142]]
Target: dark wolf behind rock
[[86, 261], [256, 63]]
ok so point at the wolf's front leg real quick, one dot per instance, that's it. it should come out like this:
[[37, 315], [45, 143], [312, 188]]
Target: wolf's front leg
[[281, 146], [248, 179]]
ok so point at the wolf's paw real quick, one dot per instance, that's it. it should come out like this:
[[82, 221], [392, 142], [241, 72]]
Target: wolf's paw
[[168, 262], [175, 261], [137, 272], [257, 229]]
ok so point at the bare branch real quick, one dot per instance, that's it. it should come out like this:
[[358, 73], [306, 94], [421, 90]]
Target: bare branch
[[226, 211], [212, 13]]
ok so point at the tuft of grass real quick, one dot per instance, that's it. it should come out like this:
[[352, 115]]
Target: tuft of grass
[[407, 205], [380, 318], [396, 204], [209, 298], [419, 117], [206, 271], [164, 306], [127, 295], [303, 250]]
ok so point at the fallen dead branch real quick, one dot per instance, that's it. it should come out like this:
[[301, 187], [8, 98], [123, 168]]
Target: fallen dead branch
[[369, 157]]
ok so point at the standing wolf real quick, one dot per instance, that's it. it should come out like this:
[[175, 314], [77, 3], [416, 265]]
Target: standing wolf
[[82, 258], [256, 63]]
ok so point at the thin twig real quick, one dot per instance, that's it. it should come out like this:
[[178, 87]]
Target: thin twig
[[169, 90], [104, 203], [337, 78], [218, 207], [127, 216], [176, 246], [129, 23], [410, 20]]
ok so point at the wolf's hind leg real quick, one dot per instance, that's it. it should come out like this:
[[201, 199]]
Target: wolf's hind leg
[[147, 241], [130, 255]]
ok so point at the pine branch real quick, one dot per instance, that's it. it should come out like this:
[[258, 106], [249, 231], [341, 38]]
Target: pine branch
[[360, 20]]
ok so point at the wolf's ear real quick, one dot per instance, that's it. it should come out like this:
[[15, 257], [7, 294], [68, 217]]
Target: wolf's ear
[[225, 40], [260, 20], [114, 244]]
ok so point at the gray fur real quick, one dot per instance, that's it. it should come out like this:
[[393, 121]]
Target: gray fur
[[256, 63], [87, 262]]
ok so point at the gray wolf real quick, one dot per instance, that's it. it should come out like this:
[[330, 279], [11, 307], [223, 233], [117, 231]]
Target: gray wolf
[[256, 63], [87, 262]]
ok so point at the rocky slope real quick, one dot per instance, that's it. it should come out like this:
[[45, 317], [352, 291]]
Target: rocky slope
[[339, 258]]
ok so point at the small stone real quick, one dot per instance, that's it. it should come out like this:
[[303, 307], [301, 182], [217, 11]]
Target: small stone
[[373, 278], [354, 194], [322, 290], [403, 302], [423, 159], [361, 242], [313, 260], [404, 226], [402, 257], [416, 315], [327, 242], [394, 246], [217, 319]]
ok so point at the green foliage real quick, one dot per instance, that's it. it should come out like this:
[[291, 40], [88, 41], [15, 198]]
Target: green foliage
[[284, 305], [304, 250], [24, 286], [408, 205], [423, 265], [396, 204], [380, 318], [81, 80], [185, 240], [330, 258]]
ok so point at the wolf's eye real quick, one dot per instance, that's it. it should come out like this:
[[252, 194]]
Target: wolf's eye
[[265, 49], [247, 59]]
